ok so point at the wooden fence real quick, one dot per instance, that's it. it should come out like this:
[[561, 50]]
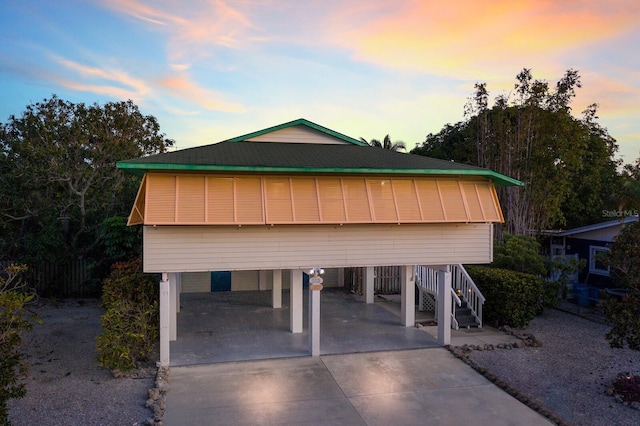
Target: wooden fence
[[68, 279], [386, 281]]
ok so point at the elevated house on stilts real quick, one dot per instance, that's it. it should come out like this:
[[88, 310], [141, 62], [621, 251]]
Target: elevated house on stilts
[[257, 211]]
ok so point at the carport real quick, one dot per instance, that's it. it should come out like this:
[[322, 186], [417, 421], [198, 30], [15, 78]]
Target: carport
[[299, 196], [242, 326]]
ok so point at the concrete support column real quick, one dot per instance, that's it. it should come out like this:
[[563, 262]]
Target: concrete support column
[[408, 297], [341, 277], [165, 307], [295, 301], [173, 297], [262, 280], [444, 307], [314, 319], [369, 284], [276, 293]]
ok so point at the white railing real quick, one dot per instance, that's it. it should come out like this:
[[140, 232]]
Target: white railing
[[455, 300], [462, 288], [426, 279]]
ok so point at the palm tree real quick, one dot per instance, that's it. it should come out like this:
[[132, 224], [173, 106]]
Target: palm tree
[[386, 144]]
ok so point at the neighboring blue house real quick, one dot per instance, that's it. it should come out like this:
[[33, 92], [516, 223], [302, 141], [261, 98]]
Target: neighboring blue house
[[589, 243]]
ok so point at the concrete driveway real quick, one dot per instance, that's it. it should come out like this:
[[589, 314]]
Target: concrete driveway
[[408, 387]]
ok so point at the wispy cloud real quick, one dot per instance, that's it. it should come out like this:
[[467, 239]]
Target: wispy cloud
[[191, 28], [139, 10], [120, 81], [179, 85]]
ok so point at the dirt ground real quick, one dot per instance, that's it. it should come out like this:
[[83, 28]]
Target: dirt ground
[[65, 385]]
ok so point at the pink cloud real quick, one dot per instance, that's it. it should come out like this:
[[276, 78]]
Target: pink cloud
[[191, 28], [459, 38], [180, 86], [117, 77]]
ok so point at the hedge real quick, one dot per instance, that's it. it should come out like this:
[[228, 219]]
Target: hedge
[[131, 321], [512, 298]]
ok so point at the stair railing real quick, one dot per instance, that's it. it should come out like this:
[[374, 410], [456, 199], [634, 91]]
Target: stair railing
[[426, 279], [462, 289], [464, 285], [455, 301]]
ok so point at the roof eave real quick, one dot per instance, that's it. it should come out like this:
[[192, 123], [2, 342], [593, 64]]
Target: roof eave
[[597, 226], [141, 168]]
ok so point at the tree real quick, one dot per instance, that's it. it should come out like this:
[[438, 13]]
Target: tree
[[519, 253], [448, 144], [386, 144], [624, 313], [566, 163], [14, 321], [626, 196], [59, 178]]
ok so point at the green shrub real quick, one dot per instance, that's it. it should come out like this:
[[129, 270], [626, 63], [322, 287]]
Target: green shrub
[[519, 253], [624, 313], [512, 298], [14, 321], [131, 320]]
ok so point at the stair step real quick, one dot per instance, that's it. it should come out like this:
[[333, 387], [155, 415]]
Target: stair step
[[465, 317], [467, 322]]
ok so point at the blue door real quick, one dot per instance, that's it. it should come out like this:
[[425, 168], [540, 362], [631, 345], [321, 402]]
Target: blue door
[[221, 281], [305, 280]]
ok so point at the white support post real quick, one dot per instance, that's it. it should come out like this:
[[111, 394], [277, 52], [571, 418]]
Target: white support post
[[164, 320], [408, 297], [276, 294], [314, 319], [444, 307], [369, 284], [295, 301], [341, 277], [178, 291], [173, 296], [262, 280]]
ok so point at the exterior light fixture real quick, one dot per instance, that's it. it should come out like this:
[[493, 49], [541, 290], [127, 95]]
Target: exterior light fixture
[[316, 271]]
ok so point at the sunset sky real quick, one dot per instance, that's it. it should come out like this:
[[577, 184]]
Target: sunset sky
[[212, 70]]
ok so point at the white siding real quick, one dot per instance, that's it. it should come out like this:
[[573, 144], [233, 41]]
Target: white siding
[[228, 248], [298, 134], [330, 277], [246, 280]]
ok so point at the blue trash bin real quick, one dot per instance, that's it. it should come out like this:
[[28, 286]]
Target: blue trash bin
[[594, 293], [582, 294]]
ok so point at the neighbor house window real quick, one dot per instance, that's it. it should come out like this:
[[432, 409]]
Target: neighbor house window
[[597, 264]]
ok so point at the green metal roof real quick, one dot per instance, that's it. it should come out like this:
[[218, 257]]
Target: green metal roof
[[236, 155]]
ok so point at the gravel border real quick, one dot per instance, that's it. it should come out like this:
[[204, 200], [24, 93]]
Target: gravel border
[[65, 385], [562, 370]]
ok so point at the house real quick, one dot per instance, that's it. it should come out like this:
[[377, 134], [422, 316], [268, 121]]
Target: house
[[590, 243], [256, 211]]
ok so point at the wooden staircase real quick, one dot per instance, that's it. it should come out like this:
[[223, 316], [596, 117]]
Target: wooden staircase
[[465, 316], [467, 300]]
